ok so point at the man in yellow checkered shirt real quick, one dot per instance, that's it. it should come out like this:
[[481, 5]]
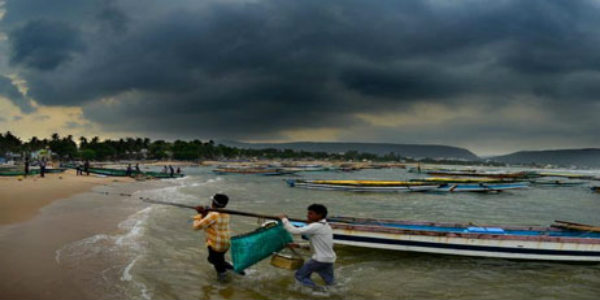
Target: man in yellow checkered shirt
[[216, 227]]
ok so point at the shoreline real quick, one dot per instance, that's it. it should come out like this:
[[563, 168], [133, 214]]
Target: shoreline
[[30, 244], [21, 198]]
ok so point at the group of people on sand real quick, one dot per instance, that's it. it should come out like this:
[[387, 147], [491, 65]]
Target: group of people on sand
[[319, 233], [129, 171], [85, 167], [41, 162], [171, 171]]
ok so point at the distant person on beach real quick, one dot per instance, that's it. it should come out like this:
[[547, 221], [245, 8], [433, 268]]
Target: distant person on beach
[[86, 167], [171, 171], [137, 168], [128, 171], [320, 236], [216, 229], [26, 166], [178, 170], [79, 169], [42, 167]]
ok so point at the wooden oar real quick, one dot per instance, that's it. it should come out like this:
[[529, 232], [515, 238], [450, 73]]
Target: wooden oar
[[572, 223], [221, 210], [575, 226]]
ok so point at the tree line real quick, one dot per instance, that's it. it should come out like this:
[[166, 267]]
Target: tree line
[[65, 148]]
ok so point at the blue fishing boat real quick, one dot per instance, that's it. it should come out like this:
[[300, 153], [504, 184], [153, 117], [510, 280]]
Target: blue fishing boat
[[481, 187]]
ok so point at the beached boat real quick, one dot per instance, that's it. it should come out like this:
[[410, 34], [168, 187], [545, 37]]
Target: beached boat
[[564, 241], [362, 185], [31, 172], [595, 189], [13, 172], [481, 187], [123, 173]]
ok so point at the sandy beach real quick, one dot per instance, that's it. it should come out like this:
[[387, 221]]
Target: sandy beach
[[21, 198], [39, 216]]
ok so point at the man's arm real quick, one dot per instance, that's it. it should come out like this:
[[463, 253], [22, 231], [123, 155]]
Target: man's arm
[[201, 222], [309, 229], [305, 246]]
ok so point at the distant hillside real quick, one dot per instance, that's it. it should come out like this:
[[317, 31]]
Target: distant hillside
[[413, 151], [568, 157]]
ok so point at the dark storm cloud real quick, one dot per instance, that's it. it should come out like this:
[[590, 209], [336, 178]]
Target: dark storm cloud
[[254, 68], [44, 45], [10, 91]]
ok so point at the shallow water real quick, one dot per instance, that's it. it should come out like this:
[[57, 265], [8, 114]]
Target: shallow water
[[155, 255]]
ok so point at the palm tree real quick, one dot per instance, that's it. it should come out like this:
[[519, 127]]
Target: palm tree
[[82, 142]]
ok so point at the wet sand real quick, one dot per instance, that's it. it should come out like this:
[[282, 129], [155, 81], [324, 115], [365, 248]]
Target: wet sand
[[22, 197], [41, 215]]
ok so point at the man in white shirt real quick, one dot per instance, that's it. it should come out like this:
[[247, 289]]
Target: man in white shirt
[[320, 237]]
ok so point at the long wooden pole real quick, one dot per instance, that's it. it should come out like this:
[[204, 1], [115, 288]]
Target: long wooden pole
[[221, 210], [575, 226]]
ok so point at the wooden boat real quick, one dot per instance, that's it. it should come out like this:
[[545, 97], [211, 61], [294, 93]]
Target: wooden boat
[[569, 175], [556, 182], [31, 172], [123, 172], [12, 172], [159, 175], [459, 180], [481, 187], [256, 171], [362, 185], [514, 175], [571, 242], [305, 168]]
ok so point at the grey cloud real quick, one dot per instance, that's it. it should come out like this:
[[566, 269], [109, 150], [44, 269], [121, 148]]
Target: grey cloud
[[76, 125], [10, 91], [44, 45], [41, 118]]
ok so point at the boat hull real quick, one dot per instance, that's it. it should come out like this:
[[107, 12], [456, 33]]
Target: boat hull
[[526, 250], [527, 243], [362, 188], [481, 187]]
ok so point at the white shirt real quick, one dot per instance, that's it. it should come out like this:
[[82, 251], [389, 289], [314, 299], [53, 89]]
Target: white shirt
[[320, 237]]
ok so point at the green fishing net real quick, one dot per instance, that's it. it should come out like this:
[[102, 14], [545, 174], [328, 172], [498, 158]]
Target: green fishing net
[[250, 248]]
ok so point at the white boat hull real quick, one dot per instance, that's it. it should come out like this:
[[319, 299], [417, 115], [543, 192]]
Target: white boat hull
[[498, 248], [347, 188]]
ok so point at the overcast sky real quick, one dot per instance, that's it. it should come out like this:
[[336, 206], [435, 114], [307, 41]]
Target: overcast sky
[[491, 76]]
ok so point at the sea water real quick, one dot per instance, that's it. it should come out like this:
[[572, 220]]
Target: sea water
[[155, 254]]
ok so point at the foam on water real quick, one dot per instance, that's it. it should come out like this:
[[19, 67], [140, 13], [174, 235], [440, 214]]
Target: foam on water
[[119, 252], [126, 275]]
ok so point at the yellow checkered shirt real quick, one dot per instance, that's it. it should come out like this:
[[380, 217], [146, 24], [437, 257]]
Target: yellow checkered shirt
[[216, 226]]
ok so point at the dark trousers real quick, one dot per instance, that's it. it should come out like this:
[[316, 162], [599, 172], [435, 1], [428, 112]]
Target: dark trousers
[[325, 270], [217, 259]]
